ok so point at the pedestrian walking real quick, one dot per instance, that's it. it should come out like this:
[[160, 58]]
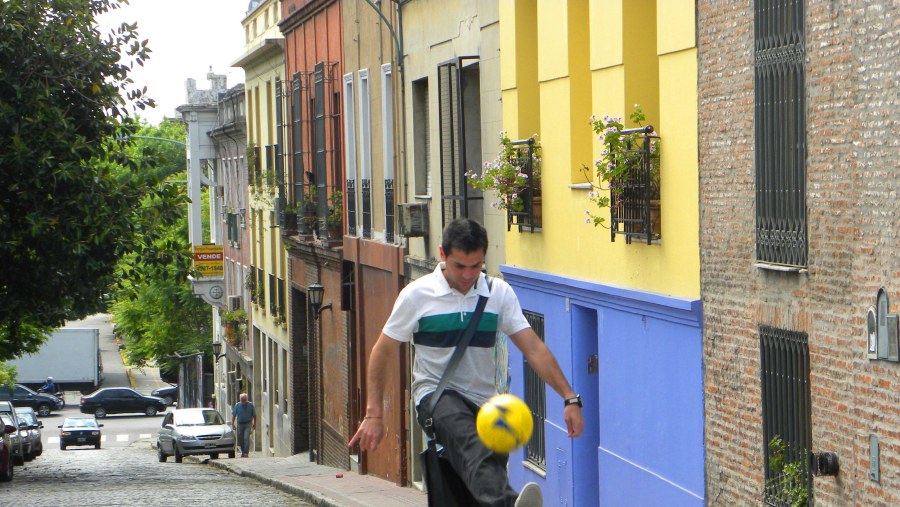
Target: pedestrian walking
[[432, 312], [243, 421]]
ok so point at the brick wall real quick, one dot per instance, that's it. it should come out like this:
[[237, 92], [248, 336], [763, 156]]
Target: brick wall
[[854, 211]]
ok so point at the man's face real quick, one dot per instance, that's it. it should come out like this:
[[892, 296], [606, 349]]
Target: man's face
[[462, 269]]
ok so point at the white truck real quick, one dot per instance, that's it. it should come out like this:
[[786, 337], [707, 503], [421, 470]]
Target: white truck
[[70, 355]]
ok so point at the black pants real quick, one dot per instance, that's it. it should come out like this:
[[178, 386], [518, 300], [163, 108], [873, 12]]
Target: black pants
[[482, 470]]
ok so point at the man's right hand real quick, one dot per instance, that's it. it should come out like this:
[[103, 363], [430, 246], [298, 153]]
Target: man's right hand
[[369, 434]]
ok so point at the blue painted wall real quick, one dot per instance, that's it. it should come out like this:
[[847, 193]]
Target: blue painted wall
[[643, 440]]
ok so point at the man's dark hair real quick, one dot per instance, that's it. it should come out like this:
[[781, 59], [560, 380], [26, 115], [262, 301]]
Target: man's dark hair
[[465, 235]]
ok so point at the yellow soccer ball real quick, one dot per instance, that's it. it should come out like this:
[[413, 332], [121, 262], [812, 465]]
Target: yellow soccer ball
[[504, 423]]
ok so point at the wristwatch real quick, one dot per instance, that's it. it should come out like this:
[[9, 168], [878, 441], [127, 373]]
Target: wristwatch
[[574, 401]]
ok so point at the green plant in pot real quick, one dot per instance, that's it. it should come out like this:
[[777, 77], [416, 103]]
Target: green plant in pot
[[306, 209], [506, 175], [621, 159], [335, 219], [290, 217]]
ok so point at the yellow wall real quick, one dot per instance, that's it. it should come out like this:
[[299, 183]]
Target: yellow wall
[[262, 69], [603, 67]]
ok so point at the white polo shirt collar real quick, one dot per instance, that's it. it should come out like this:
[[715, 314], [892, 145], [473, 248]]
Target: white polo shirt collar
[[442, 286]]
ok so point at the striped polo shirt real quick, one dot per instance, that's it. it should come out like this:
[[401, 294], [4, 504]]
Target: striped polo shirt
[[434, 316]]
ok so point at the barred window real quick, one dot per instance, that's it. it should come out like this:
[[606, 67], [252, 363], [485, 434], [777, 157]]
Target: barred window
[[459, 95], [536, 399], [780, 130], [787, 427]]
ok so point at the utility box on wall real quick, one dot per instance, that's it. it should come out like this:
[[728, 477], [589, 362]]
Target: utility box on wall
[[883, 330], [414, 219]]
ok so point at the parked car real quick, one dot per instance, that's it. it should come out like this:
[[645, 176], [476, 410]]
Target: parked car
[[120, 400], [192, 431], [21, 396], [6, 462], [32, 435], [79, 431], [8, 417], [168, 394]]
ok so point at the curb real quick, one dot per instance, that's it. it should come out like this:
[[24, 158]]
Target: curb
[[304, 494]]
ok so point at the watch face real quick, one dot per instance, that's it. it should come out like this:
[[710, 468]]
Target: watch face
[[216, 292]]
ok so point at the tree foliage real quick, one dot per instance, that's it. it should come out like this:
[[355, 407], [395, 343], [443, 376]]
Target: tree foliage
[[75, 196], [154, 309]]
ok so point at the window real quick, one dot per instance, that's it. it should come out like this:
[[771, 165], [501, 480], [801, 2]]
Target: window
[[421, 138], [787, 428], [297, 135], [350, 153], [365, 153], [319, 146], [281, 299], [261, 288], [279, 138], [459, 96], [273, 296], [387, 130], [536, 399], [780, 131]]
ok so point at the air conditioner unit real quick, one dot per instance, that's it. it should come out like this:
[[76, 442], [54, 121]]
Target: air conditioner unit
[[414, 219], [234, 303]]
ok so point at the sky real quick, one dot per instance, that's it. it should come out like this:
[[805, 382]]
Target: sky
[[186, 37]]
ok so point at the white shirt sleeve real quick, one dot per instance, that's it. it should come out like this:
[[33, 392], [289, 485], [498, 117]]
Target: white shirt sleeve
[[510, 317], [403, 321]]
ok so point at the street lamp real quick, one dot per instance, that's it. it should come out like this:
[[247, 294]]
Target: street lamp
[[315, 292], [217, 350]]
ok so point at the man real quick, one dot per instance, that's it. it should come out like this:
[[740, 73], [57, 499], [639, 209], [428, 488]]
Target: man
[[243, 421], [426, 314], [49, 387]]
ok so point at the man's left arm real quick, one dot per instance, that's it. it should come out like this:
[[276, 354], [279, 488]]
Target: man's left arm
[[544, 364]]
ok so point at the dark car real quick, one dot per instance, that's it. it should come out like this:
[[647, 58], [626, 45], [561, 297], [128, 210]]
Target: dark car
[[32, 434], [6, 461], [120, 400], [21, 396], [8, 418], [192, 431], [168, 394], [79, 431]]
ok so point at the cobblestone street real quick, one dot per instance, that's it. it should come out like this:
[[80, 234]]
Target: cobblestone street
[[131, 476]]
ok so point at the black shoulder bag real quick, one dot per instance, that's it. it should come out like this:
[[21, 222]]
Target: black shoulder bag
[[445, 488]]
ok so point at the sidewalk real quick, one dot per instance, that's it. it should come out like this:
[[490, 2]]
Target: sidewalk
[[322, 485], [317, 484]]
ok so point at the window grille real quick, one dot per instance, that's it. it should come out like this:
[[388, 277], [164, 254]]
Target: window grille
[[351, 207], [455, 192], [450, 164], [631, 194], [297, 135], [784, 363], [270, 167], [529, 218], [257, 166], [780, 131], [319, 144], [273, 296], [261, 288], [389, 218], [536, 399], [367, 208], [279, 133], [281, 297]]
